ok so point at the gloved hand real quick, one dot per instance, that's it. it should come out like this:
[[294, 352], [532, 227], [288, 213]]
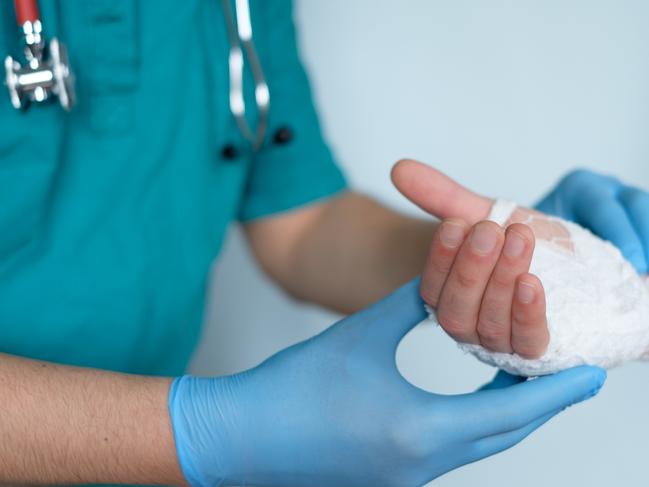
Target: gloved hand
[[611, 210], [334, 410]]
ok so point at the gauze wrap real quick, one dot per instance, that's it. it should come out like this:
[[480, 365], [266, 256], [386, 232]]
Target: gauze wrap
[[597, 304]]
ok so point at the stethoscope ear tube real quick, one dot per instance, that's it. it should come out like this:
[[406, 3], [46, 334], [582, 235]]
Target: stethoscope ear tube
[[241, 42]]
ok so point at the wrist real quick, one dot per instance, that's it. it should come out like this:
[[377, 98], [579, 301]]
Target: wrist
[[150, 450], [208, 429], [171, 462]]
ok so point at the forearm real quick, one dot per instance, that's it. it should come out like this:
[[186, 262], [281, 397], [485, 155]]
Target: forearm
[[64, 424], [350, 252]]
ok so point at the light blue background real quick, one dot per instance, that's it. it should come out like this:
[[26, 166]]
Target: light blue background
[[505, 96]]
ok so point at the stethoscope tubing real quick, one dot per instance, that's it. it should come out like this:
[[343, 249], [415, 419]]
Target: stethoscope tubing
[[241, 42], [240, 38]]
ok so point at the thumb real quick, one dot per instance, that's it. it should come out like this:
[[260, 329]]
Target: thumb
[[390, 319], [437, 194]]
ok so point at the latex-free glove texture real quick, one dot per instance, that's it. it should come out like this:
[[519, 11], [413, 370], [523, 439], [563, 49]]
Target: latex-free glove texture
[[334, 410], [610, 209]]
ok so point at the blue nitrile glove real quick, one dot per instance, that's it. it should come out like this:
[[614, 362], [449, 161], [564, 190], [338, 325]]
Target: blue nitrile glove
[[608, 208], [334, 410]]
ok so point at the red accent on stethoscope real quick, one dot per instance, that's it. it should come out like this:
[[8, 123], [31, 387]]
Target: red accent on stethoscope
[[26, 11]]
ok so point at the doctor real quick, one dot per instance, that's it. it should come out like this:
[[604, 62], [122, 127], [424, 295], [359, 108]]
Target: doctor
[[110, 216]]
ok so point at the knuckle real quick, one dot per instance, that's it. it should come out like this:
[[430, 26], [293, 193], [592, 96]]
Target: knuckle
[[429, 294], [519, 320], [636, 199], [441, 265], [527, 348], [605, 209], [491, 331], [502, 279], [466, 279], [496, 309], [454, 327], [528, 353]]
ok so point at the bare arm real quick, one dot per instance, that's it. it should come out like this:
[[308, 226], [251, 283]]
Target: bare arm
[[71, 425], [343, 254]]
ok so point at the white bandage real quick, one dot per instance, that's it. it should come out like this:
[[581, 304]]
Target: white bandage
[[597, 304]]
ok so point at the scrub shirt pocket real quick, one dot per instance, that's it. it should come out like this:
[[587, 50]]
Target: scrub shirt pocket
[[113, 27], [29, 151], [28, 163]]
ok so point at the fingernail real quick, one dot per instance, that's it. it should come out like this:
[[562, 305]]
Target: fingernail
[[451, 234], [525, 292], [514, 245], [484, 239]]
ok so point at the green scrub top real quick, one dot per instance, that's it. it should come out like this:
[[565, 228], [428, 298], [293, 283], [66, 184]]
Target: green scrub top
[[111, 215]]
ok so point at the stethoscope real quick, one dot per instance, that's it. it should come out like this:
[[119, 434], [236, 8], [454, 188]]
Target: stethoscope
[[46, 75]]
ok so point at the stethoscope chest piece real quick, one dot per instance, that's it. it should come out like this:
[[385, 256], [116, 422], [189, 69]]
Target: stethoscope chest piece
[[46, 73]]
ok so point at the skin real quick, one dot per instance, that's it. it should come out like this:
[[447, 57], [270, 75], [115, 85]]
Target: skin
[[343, 254], [72, 425], [68, 425], [487, 297], [476, 275], [349, 252]]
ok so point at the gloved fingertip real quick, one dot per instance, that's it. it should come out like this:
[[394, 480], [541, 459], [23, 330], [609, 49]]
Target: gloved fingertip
[[584, 377], [595, 379], [603, 375], [599, 374]]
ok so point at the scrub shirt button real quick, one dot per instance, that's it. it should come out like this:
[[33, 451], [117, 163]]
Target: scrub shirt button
[[229, 152], [283, 135]]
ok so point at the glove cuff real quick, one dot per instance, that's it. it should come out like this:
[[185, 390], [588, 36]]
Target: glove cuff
[[186, 437]]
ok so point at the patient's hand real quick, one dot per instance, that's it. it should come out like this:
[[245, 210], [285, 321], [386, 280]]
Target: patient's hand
[[477, 273], [477, 293], [477, 279]]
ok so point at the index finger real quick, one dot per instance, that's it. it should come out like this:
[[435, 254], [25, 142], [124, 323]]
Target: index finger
[[437, 194]]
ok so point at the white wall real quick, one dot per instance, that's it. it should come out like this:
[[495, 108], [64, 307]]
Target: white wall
[[505, 96]]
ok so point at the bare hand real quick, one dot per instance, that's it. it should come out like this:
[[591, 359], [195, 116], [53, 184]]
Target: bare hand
[[477, 273]]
